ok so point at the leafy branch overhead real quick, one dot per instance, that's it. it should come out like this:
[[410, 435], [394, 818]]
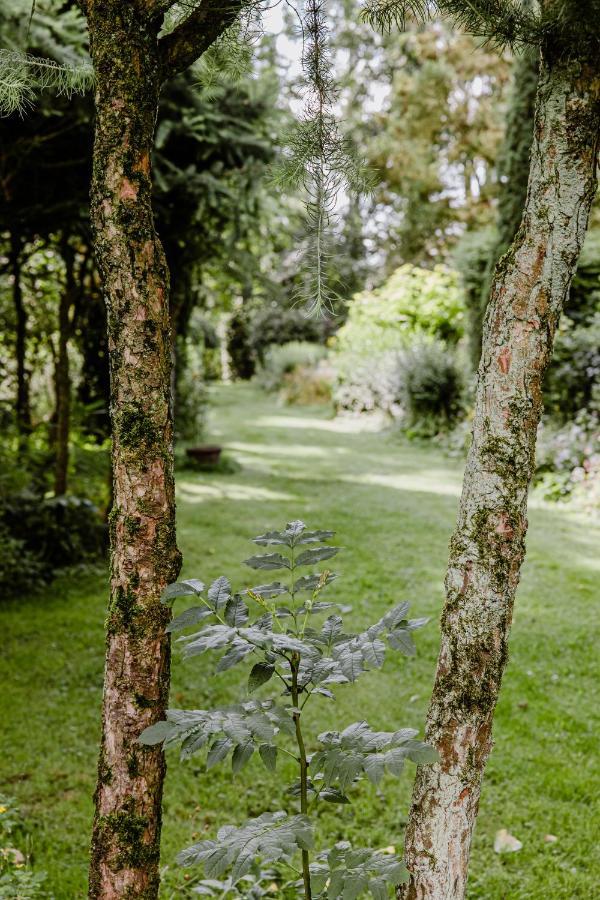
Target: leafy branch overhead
[[294, 639]]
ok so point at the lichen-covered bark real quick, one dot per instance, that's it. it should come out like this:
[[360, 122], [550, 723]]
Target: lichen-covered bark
[[144, 557], [487, 549]]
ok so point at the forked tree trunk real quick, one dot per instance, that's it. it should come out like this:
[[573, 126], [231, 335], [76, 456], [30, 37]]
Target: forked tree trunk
[[62, 376], [487, 549], [144, 556]]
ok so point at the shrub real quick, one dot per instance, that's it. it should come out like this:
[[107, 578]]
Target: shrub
[[274, 324], [421, 385], [242, 358], [431, 387], [279, 629], [20, 570], [50, 533], [368, 386], [573, 378], [285, 359], [568, 460], [307, 385], [410, 303]]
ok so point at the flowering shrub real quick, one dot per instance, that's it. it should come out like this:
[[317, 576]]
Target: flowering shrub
[[569, 461]]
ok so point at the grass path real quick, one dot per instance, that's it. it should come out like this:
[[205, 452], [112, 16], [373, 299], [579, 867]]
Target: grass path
[[393, 506]]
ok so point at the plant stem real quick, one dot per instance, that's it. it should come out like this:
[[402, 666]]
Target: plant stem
[[295, 662]]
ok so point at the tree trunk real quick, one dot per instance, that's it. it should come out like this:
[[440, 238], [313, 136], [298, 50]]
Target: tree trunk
[[513, 168], [487, 549], [62, 376], [144, 556], [23, 409]]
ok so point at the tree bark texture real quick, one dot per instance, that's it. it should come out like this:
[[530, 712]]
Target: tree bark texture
[[487, 549], [62, 376], [513, 168], [144, 555]]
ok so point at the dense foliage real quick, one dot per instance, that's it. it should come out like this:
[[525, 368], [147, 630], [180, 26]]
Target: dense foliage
[[395, 352]]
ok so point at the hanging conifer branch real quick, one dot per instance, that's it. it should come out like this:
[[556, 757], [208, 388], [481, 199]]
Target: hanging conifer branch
[[318, 158], [23, 76], [502, 22]]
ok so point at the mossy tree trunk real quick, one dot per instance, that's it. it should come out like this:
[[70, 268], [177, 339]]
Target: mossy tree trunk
[[130, 64], [144, 556], [487, 549]]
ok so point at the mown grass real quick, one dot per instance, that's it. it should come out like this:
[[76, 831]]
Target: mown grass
[[393, 505]]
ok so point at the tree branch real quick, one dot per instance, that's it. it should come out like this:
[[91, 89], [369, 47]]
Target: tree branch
[[183, 46]]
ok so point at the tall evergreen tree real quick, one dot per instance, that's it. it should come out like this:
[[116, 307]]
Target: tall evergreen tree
[[487, 549]]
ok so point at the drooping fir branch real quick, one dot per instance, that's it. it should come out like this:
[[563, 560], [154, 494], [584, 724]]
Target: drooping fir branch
[[503, 22], [230, 58], [23, 76], [318, 158]]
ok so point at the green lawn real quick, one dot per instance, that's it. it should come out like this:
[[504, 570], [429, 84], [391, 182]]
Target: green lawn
[[393, 505]]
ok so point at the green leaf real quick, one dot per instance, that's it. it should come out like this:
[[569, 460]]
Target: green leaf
[[266, 591], [395, 615], [268, 561], [236, 612], [219, 592], [332, 627], [273, 537], [189, 588], [241, 755], [260, 673], [311, 582], [403, 641], [422, 754], [155, 734], [269, 837], [268, 754], [315, 555], [315, 537], [212, 637], [332, 795], [189, 617], [218, 751]]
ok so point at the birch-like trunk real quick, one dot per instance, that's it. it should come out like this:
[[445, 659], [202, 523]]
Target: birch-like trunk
[[487, 549], [144, 556]]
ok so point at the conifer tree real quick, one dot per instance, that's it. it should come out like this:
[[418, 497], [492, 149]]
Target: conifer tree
[[530, 285]]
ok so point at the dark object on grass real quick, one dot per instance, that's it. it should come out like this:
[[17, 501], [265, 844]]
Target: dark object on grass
[[207, 455]]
